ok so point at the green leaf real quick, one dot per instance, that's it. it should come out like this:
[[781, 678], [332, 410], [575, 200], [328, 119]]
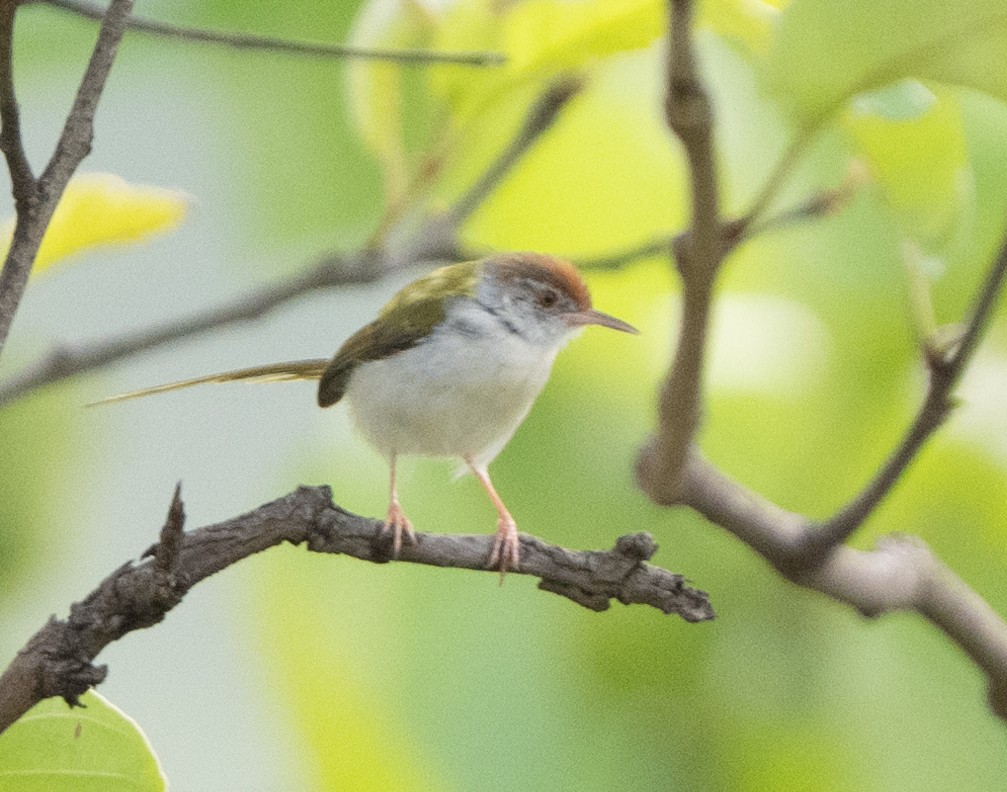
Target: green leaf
[[97, 748], [826, 52], [913, 141], [540, 38]]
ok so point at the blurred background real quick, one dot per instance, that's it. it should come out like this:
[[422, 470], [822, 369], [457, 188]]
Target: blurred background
[[300, 672]]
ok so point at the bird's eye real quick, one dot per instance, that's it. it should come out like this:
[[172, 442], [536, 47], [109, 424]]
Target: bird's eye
[[548, 298]]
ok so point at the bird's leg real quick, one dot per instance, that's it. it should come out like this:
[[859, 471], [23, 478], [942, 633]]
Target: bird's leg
[[506, 544], [397, 522]]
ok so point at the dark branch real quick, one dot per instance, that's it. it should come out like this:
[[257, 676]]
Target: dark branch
[[247, 41], [698, 253], [58, 660], [78, 132], [169, 546]]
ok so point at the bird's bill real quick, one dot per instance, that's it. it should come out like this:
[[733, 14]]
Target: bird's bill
[[593, 317]]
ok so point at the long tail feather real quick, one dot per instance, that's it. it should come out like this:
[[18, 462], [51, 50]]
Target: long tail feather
[[276, 372]]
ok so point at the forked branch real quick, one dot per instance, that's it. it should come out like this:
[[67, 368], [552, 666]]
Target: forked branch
[[36, 200]]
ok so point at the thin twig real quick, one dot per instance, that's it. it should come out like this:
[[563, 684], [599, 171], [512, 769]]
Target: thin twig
[[394, 229], [619, 259], [824, 202], [945, 369], [74, 144], [540, 118], [247, 41], [22, 178], [777, 178], [816, 205], [78, 132], [58, 660]]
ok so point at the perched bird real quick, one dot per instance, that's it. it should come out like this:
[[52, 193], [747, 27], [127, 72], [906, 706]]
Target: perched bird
[[450, 368]]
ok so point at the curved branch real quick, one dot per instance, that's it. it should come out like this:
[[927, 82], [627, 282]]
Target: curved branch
[[901, 574], [247, 41], [58, 660]]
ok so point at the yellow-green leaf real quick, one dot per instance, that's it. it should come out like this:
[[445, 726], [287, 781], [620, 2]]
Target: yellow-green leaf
[[913, 140], [97, 748], [539, 38], [99, 209], [826, 52]]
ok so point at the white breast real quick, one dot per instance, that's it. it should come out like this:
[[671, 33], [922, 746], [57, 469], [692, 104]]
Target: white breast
[[463, 392]]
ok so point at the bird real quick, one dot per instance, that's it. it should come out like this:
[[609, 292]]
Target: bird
[[450, 368]]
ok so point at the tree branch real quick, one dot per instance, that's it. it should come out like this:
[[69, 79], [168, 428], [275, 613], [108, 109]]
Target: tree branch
[[246, 41], [58, 660], [35, 209], [698, 254], [777, 178], [735, 232], [901, 573]]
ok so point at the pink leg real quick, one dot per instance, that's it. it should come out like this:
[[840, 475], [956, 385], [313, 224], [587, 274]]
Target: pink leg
[[397, 522], [507, 544]]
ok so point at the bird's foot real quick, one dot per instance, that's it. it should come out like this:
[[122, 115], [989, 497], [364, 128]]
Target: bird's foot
[[506, 546], [398, 523]]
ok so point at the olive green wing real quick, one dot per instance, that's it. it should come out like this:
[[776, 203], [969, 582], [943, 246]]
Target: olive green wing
[[372, 342], [403, 323]]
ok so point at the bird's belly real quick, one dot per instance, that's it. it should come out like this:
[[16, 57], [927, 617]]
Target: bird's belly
[[448, 397]]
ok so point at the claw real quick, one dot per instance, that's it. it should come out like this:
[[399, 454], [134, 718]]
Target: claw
[[397, 523], [506, 546]]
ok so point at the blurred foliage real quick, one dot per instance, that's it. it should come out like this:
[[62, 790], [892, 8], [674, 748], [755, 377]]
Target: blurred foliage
[[34, 438], [399, 678], [94, 748]]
